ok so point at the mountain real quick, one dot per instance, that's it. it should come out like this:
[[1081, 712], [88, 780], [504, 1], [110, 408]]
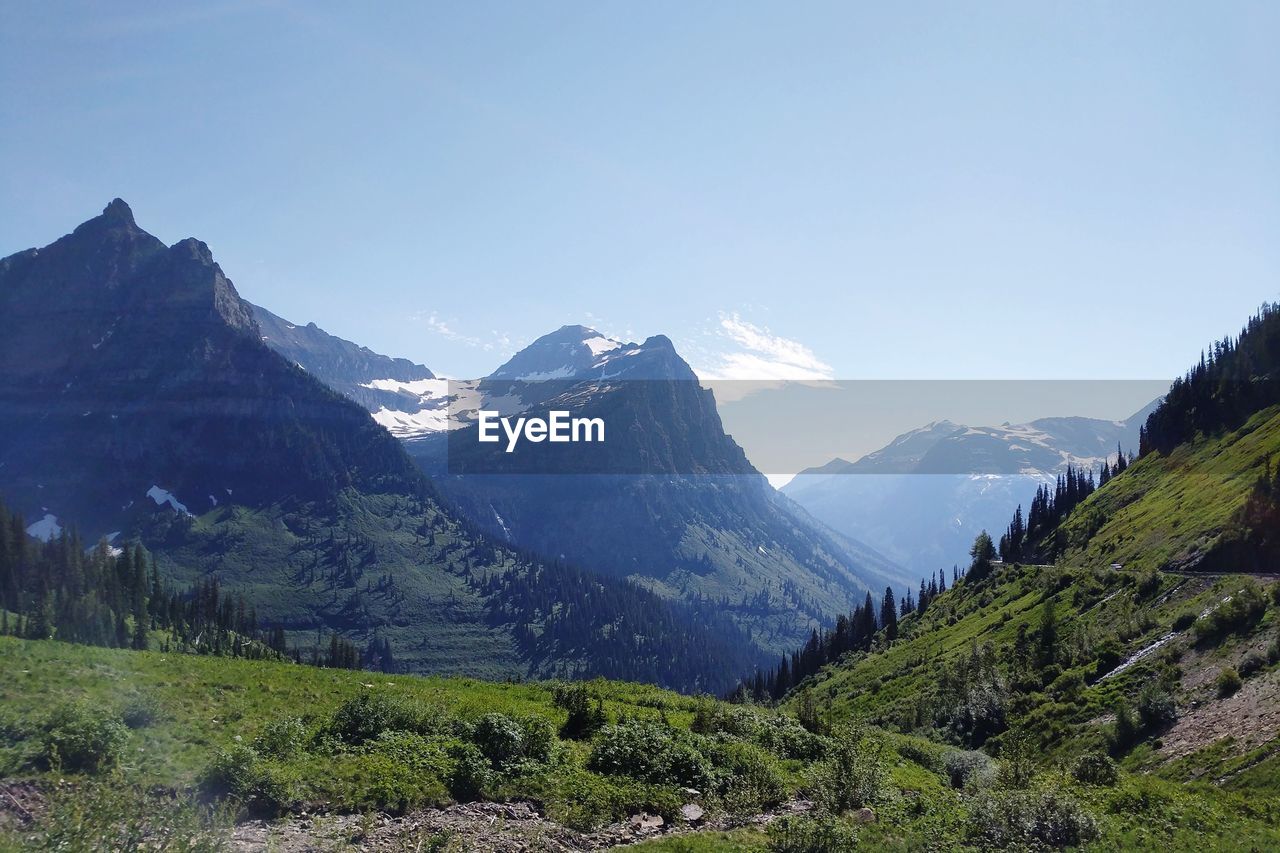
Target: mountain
[[922, 498], [668, 500], [138, 400]]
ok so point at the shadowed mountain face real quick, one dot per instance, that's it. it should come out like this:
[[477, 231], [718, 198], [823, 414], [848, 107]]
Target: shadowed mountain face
[[137, 398], [923, 498], [127, 365]]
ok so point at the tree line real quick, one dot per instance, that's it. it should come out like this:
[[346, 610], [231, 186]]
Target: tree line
[[867, 625], [114, 597], [1234, 379]]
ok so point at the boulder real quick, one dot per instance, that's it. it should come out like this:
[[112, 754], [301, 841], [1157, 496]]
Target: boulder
[[691, 812]]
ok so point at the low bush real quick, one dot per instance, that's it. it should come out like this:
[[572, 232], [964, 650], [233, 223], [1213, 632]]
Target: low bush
[[113, 816], [140, 712], [1017, 819], [1228, 682], [746, 777], [81, 738], [818, 834], [1095, 769], [786, 738], [853, 776], [375, 779], [1252, 664], [259, 785], [586, 716], [368, 714], [650, 752], [282, 738], [1156, 707], [472, 774], [969, 769]]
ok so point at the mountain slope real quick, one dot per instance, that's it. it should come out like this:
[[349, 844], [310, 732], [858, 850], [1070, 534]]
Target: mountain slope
[[139, 399], [1151, 637], [352, 370], [922, 498]]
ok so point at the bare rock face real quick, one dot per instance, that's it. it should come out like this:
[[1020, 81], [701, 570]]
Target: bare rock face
[[864, 815]]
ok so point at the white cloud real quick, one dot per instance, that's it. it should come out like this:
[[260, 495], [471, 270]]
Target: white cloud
[[497, 341], [755, 353]]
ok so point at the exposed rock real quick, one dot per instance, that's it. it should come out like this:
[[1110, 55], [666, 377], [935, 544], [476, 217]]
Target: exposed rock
[[646, 822], [691, 812], [864, 815]]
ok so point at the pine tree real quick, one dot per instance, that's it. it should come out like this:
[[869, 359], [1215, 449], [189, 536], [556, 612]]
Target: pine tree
[[889, 615]]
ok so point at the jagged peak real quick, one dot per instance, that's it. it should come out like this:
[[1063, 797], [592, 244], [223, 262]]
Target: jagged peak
[[118, 212]]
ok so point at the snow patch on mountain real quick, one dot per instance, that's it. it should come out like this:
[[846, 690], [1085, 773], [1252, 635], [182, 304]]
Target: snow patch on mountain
[[163, 496], [46, 529]]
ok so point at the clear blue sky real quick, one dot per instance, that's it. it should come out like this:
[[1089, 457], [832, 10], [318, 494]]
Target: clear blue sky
[[851, 190]]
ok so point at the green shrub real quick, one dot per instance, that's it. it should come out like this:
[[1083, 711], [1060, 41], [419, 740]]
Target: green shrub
[[1237, 615], [1184, 620], [1125, 733], [927, 754], [747, 777], [1014, 819], [424, 756], [500, 739], [650, 752], [375, 779], [969, 769], [1228, 682], [368, 714], [472, 774], [282, 738], [1252, 664], [140, 712], [232, 772], [786, 738], [853, 776], [539, 738], [1109, 658], [1156, 707], [585, 801], [805, 834], [81, 738], [586, 717], [1095, 769], [259, 785]]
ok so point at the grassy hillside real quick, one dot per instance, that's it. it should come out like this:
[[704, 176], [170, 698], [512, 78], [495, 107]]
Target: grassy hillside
[[1170, 510], [276, 739]]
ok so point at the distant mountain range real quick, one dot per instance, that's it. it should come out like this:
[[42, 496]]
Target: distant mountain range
[[922, 498]]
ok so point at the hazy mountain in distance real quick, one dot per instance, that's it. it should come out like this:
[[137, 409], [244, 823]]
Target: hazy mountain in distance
[[923, 497]]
